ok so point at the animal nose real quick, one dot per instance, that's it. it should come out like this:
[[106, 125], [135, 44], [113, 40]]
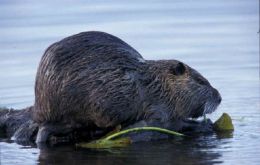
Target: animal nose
[[219, 99], [217, 95]]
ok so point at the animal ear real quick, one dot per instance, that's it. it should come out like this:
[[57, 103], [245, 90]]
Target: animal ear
[[178, 69]]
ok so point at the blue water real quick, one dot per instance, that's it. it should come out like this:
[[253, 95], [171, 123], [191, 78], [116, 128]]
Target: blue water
[[219, 38]]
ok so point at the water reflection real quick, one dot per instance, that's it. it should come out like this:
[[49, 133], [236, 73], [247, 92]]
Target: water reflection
[[11, 153], [195, 151]]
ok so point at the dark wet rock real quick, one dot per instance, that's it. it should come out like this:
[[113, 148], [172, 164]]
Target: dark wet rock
[[17, 124]]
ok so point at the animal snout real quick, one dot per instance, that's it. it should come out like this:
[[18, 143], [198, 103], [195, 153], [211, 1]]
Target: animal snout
[[217, 95]]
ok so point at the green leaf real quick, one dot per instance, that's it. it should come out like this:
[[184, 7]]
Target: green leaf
[[224, 123], [103, 143]]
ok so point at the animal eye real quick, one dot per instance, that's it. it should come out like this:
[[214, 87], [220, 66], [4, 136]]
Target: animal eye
[[178, 69]]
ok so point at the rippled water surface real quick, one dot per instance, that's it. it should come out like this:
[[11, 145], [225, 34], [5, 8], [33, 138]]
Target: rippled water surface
[[219, 38]]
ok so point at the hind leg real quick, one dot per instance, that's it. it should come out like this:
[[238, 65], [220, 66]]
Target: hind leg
[[46, 130]]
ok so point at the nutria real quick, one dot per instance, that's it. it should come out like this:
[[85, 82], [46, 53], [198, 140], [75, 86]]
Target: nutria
[[96, 80]]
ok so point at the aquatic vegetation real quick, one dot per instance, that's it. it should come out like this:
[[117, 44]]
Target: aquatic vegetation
[[110, 141], [224, 123]]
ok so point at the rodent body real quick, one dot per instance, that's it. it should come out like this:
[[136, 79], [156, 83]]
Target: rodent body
[[94, 79]]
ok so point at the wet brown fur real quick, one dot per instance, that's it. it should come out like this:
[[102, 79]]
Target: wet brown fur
[[94, 79]]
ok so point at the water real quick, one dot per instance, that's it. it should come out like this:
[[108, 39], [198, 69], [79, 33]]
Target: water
[[219, 38]]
